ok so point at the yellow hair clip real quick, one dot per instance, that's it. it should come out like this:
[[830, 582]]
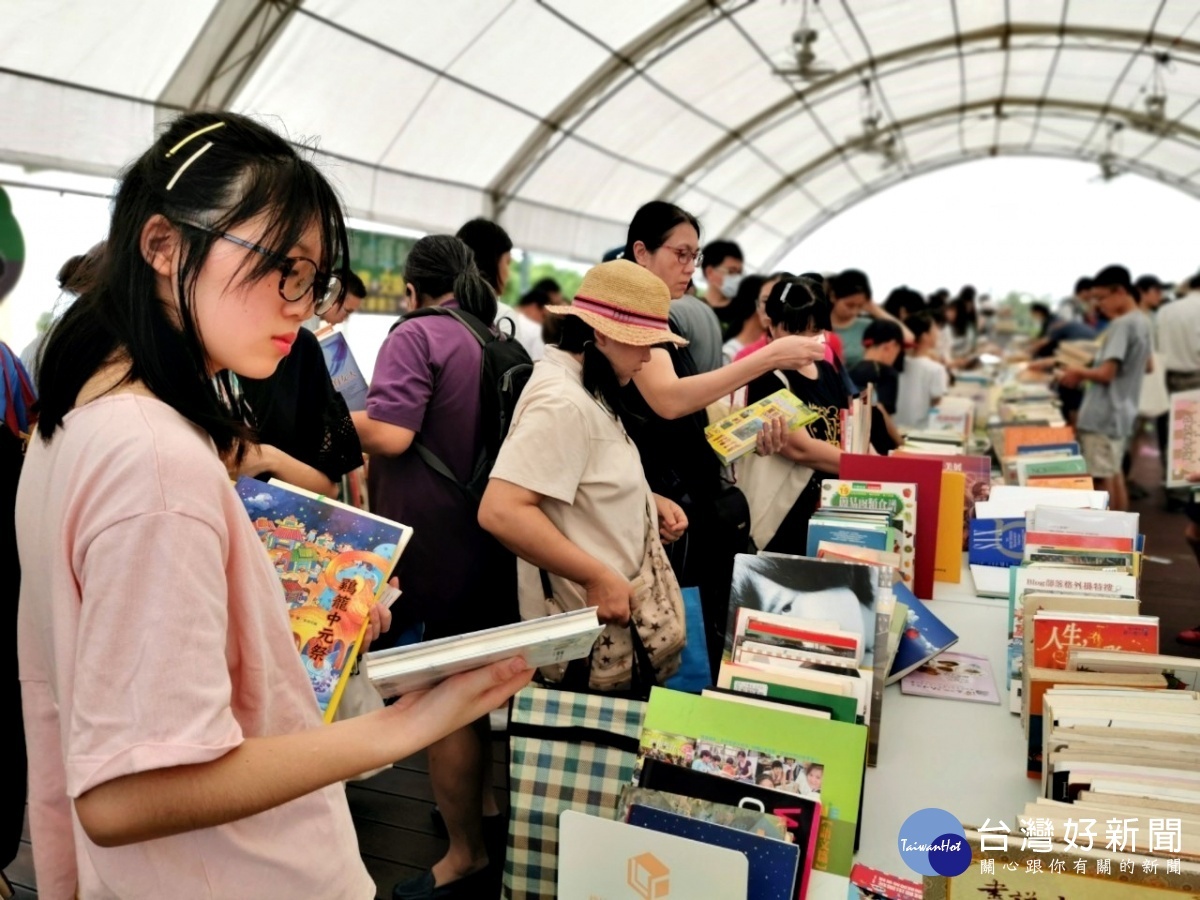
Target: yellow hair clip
[[195, 134]]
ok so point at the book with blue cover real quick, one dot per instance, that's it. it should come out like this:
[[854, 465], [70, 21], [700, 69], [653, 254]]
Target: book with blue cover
[[923, 638], [774, 864], [344, 372]]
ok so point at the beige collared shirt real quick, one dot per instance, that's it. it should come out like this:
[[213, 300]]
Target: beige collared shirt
[[565, 445]]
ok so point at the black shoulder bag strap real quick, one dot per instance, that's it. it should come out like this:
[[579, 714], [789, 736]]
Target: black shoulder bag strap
[[483, 335]]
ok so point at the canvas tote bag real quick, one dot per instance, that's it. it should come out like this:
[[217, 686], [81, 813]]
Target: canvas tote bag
[[656, 610], [772, 484]]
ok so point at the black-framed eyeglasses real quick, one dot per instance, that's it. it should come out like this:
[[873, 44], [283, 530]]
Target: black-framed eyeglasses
[[298, 274]]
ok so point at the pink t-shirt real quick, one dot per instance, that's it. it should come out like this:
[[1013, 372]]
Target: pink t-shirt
[[153, 632]]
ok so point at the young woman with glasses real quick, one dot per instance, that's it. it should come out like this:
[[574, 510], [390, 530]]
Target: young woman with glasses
[[175, 745]]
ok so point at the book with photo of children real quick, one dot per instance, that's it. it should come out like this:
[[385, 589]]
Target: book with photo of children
[[799, 757], [850, 598], [333, 562]]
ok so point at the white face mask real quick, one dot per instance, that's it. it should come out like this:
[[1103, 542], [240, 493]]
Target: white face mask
[[730, 285]]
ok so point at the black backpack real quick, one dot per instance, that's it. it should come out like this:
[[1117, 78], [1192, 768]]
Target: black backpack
[[503, 375]]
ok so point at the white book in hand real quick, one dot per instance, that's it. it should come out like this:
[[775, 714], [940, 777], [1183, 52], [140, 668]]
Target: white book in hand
[[540, 642]]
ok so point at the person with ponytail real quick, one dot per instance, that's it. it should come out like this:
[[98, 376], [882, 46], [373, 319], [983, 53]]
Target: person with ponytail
[[175, 746], [426, 388]]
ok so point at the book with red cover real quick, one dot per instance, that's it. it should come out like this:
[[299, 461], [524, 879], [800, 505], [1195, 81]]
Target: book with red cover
[[1055, 633], [978, 470], [1078, 541], [926, 474]]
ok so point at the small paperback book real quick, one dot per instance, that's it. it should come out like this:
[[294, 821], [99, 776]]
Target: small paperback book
[[955, 676], [333, 562], [344, 372], [541, 642], [735, 435], [924, 636]]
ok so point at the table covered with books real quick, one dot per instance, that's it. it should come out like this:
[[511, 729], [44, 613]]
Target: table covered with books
[[1006, 693]]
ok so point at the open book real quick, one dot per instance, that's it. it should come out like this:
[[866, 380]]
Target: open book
[[541, 642]]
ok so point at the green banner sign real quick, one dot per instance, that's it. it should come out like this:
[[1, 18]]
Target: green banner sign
[[378, 259]]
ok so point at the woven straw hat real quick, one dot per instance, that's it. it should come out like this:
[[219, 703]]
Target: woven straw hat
[[625, 302]]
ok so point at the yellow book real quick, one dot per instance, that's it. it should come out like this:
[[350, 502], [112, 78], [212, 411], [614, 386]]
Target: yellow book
[[734, 436], [947, 565]]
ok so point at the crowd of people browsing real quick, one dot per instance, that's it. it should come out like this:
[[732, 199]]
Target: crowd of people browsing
[[174, 748]]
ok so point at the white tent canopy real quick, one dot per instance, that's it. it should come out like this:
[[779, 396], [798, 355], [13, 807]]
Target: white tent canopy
[[560, 118]]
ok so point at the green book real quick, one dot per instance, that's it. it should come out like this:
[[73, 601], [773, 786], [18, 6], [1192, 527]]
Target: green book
[[1035, 468], [771, 737], [843, 709]]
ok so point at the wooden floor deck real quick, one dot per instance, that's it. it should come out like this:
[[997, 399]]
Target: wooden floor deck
[[392, 810]]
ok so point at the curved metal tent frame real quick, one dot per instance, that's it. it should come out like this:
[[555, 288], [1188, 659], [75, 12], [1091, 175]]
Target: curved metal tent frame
[[560, 117]]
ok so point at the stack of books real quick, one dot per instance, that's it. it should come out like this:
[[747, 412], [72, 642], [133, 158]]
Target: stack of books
[[855, 432], [1123, 746], [997, 533], [1065, 468], [1076, 353], [947, 430], [871, 515]]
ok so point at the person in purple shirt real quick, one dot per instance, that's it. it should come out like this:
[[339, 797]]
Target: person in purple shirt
[[426, 388]]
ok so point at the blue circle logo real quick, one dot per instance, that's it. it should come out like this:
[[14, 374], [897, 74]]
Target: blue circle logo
[[932, 842]]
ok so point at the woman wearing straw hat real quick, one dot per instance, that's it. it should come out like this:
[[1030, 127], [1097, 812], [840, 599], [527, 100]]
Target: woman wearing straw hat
[[568, 494], [668, 402]]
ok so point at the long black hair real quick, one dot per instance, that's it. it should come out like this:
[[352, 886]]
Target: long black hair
[[599, 379], [207, 173], [653, 222], [441, 264], [489, 242]]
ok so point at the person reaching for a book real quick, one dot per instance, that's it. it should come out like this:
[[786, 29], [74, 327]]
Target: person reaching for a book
[[174, 740]]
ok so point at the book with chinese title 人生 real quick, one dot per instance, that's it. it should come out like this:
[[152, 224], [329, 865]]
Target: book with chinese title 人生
[[333, 562]]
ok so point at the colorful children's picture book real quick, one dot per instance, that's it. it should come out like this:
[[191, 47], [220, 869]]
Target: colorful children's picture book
[[735, 435], [955, 676], [1183, 438], [333, 563], [344, 372]]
